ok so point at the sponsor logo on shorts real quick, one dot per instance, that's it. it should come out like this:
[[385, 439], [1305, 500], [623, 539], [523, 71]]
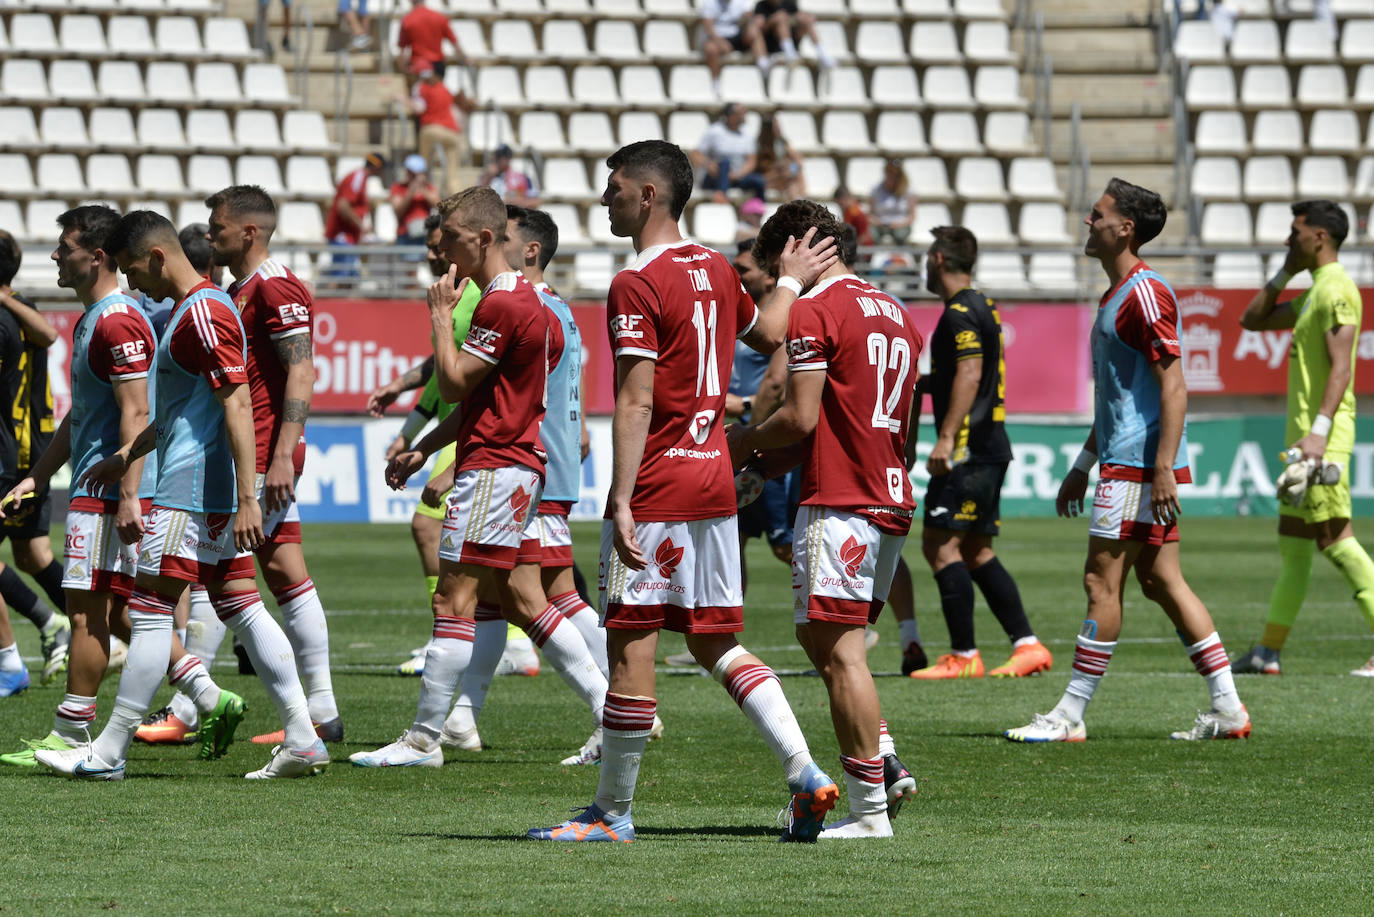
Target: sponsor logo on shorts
[[520, 503], [448, 542], [77, 572], [76, 543], [851, 556], [1102, 522], [968, 511], [667, 557], [215, 523]]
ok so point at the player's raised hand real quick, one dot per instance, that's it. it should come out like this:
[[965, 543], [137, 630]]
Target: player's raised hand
[[624, 540], [443, 293], [380, 400], [248, 526], [401, 467], [279, 485], [11, 501], [129, 520], [1164, 497], [1074, 488], [800, 260]]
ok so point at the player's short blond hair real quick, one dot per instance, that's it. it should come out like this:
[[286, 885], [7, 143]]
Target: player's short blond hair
[[478, 209]]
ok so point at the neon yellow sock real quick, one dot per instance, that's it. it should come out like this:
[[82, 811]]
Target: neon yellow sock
[[1350, 558], [1295, 571], [514, 633], [432, 584]]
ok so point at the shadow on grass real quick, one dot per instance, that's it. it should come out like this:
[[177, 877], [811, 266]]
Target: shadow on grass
[[704, 831]]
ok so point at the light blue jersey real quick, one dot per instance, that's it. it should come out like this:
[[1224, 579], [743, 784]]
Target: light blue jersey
[[113, 340], [195, 466], [747, 374], [561, 432], [1137, 319]]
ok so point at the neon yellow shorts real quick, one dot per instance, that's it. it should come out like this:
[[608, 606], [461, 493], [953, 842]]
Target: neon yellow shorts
[[1324, 502], [442, 459]]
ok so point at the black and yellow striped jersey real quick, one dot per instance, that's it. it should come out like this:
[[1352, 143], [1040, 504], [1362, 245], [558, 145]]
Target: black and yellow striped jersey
[[970, 327], [24, 391]]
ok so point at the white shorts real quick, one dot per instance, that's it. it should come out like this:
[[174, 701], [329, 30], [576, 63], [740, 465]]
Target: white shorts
[[95, 559], [555, 540], [842, 566], [1121, 512], [691, 585], [195, 547], [282, 525], [489, 515]]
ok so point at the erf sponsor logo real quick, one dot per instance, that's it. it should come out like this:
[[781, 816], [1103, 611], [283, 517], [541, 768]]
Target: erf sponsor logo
[[128, 353], [293, 313], [624, 326]]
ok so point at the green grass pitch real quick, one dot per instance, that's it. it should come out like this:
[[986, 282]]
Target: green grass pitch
[[1127, 823]]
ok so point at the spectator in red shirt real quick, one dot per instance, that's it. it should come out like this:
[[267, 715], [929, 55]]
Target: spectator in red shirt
[[421, 40], [433, 106], [852, 212], [515, 186], [349, 216], [413, 200]]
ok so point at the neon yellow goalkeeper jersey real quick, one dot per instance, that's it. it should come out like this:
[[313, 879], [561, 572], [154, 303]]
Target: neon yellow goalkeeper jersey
[[1332, 300], [430, 402]]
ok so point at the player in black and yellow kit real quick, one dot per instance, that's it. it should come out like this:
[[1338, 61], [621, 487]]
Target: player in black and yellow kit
[[27, 427], [967, 386]]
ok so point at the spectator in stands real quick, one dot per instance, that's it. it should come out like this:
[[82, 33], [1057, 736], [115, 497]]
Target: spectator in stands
[[750, 219], [436, 109], [358, 22], [514, 186], [780, 164], [263, 6], [784, 25], [852, 212], [893, 206], [348, 218], [413, 200], [728, 26], [729, 156], [421, 40]]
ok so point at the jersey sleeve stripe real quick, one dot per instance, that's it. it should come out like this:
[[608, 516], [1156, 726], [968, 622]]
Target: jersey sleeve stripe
[[129, 377], [205, 325], [289, 332], [804, 367], [484, 357], [750, 327], [1145, 291], [636, 352]]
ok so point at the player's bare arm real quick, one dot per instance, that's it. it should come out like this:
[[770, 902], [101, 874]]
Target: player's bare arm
[[1074, 487], [789, 424], [131, 397], [54, 457], [411, 379], [111, 468], [400, 467], [1265, 312], [238, 423], [296, 353], [37, 329], [771, 387], [634, 409], [1173, 408], [914, 426], [439, 483], [967, 374], [800, 261], [1340, 341]]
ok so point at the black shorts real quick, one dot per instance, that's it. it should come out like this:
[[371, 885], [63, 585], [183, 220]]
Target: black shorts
[[767, 516], [737, 41], [968, 499], [33, 518]]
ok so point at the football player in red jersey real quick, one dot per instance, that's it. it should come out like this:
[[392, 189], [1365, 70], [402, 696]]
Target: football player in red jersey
[[852, 353]]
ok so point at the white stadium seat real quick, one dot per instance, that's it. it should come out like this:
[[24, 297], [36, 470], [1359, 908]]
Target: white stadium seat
[[1265, 86], [299, 221], [1334, 131], [644, 84], [228, 37], [207, 174], [998, 87], [513, 39], [565, 39], [948, 87], [541, 130], [881, 42], [305, 130], [928, 216], [835, 39], [791, 86], [979, 179], [547, 86], [308, 176], [569, 223], [1220, 132], [689, 84], [988, 43], [955, 133], [60, 173], [207, 129], [34, 34], [979, 9], [218, 83], [471, 38], [1033, 179], [21, 130], [488, 129], [1308, 42], [685, 128], [259, 170], [1196, 41], [1272, 222], [161, 129], [932, 42], [566, 178], [82, 36], [159, 173], [1008, 133], [266, 83], [616, 39], [666, 40], [64, 128], [1323, 177], [896, 85], [16, 176], [634, 126], [1210, 87], [1226, 224], [1357, 41], [742, 83], [1042, 224], [989, 222], [1322, 86], [863, 172], [1237, 271], [844, 88], [845, 132], [12, 220], [500, 84], [72, 81], [1000, 271], [594, 86], [257, 129], [928, 179], [1216, 178], [1053, 272], [1277, 131], [714, 224], [41, 216], [590, 133], [123, 80], [178, 36], [113, 128], [130, 34], [107, 174], [820, 175], [900, 133], [191, 211], [1364, 87], [1256, 41], [1268, 178]]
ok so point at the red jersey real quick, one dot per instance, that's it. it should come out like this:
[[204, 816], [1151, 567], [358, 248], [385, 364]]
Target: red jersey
[[423, 31], [864, 342], [273, 305], [682, 306], [1148, 317], [501, 417], [353, 190], [435, 104], [416, 211]]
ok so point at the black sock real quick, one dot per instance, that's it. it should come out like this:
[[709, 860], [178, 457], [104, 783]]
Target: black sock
[[50, 579], [1002, 596], [956, 601], [22, 599], [580, 584]]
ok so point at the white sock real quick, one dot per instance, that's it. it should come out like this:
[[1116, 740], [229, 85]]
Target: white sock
[[10, 660], [1209, 658], [74, 717], [181, 635], [305, 625], [1090, 658], [191, 679], [270, 652], [907, 632], [823, 56], [885, 744], [588, 625], [565, 651], [759, 694], [150, 643], [204, 629], [789, 48], [184, 709], [863, 778], [488, 642], [628, 721], [447, 657]]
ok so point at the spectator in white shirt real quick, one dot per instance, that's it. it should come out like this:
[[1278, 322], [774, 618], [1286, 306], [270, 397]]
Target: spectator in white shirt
[[728, 155]]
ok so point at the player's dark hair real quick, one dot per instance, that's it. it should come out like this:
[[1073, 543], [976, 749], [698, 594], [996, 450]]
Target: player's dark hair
[[432, 222], [792, 220], [849, 245], [958, 245], [536, 226], [10, 258], [247, 200], [1141, 206], [196, 246], [662, 160], [93, 224], [745, 247], [138, 230], [1327, 215]]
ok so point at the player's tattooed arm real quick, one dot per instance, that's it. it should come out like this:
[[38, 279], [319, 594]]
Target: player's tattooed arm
[[295, 410], [295, 348], [295, 353]]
